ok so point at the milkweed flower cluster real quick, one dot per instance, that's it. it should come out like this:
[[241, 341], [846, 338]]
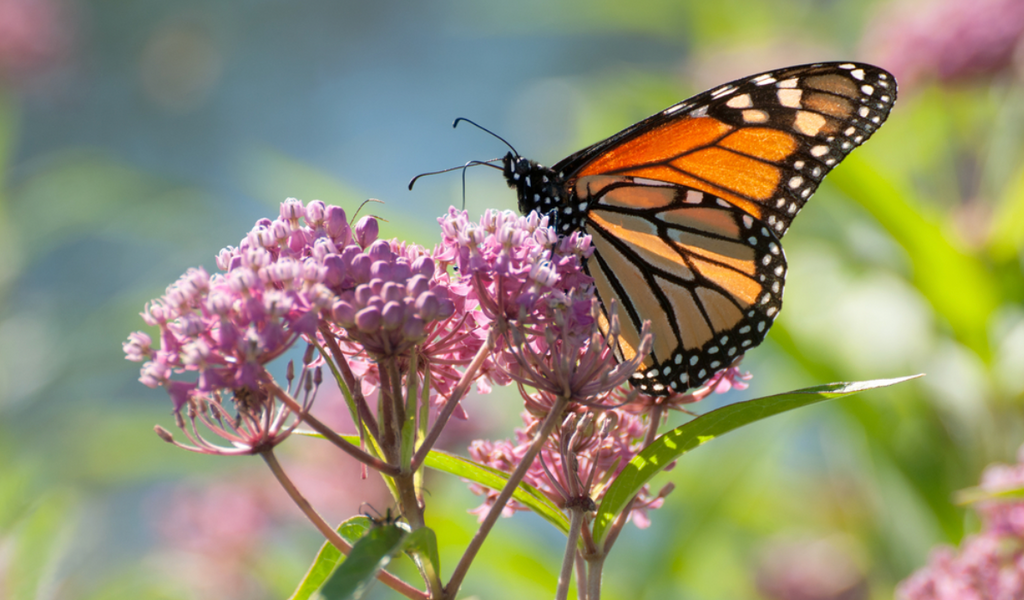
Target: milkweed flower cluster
[[403, 329], [988, 565]]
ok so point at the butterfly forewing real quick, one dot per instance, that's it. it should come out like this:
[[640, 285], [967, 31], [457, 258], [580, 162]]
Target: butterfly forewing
[[763, 142], [686, 208]]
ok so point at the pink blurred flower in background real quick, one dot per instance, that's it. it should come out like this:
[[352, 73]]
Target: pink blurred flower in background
[[986, 566], [34, 35], [811, 569], [947, 40], [209, 538]]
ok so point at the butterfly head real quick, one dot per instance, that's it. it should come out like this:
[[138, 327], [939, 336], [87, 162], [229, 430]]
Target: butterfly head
[[538, 187]]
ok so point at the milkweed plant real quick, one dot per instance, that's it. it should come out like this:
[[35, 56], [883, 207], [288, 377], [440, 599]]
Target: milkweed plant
[[405, 333]]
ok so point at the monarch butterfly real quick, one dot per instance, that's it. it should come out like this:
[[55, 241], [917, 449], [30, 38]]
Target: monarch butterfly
[[686, 208]]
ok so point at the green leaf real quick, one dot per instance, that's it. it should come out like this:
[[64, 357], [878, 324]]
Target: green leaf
[[409, 426], [977, 494], [525, 493], [423, 544], [673, 444], [330, 557], [369, 555]]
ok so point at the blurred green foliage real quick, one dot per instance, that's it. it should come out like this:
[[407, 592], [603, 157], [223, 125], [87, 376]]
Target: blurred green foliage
[[908, 259]]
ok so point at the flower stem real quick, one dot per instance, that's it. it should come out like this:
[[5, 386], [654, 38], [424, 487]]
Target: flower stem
[[596, 566], [575, 525], [329, 433], [553, 418], [581, 577], [453, 400], [328, 532], [365, 415], [616, 527]]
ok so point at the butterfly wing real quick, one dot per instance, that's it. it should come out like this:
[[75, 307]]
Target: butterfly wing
[[707, 275], [763, 143], [686, 208]]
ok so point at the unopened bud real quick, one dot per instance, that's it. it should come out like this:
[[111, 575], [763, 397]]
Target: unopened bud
[[366, 231], [368, 319], [164, 434]]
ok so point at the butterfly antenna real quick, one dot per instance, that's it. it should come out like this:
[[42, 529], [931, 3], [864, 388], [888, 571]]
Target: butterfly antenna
[[471, 163], [482, 128]]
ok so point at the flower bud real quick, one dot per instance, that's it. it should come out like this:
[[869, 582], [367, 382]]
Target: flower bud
[[423, 266], [400, 270], [417, 285], [366, 231], [360, 270], [391, 316], [337, 226], [336, 271], [381, 269], [392, 292], [343, 313], [315, 213], [381, 250], [413, 328], [292, 210], [428, 306], [368, 319], [363, 294]]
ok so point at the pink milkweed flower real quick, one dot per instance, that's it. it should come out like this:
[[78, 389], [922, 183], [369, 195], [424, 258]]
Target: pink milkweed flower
[[575, 360], [987, 565], [386, 301], [514, 264], [576, 464], [1004, 516]]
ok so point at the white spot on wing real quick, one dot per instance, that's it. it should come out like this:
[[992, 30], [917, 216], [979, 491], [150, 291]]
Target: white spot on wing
[[755, 116], [741, 101], [790, 97], [723, 91]]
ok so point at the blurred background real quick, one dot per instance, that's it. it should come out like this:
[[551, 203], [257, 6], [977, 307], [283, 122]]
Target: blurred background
[[139, 138]]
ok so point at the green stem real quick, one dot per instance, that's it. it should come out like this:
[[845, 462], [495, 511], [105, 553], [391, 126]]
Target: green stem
[[595, 567], [328, 532], [453, 400], [365, 416], [353, 450], [554, 417], [581, 578], [575, 525]]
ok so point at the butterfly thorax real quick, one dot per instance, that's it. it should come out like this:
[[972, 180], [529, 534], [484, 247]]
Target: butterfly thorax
[[543, 190]]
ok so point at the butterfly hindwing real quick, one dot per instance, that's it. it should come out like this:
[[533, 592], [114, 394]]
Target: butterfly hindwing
[[708, 276]]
